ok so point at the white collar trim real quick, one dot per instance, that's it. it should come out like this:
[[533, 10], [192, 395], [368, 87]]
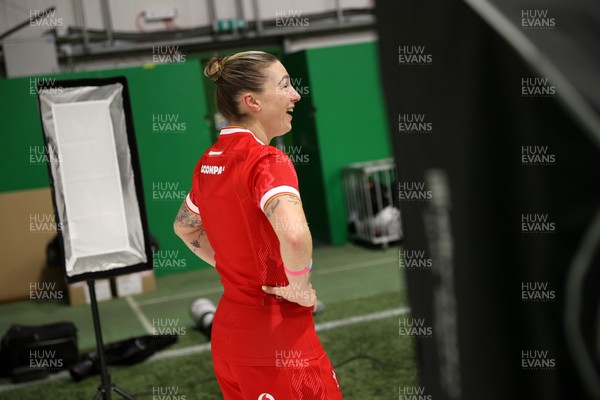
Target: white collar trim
[[228, 131]]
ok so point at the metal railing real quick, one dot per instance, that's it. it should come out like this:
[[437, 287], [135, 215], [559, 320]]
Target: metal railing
[[371, 207]]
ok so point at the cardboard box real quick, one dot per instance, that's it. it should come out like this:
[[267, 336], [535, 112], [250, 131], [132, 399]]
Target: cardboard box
[[27, 227], [132, 284], [80, 294]]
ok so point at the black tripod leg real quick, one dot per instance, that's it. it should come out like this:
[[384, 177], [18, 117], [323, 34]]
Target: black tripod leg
[[99, 394], [120, 392]]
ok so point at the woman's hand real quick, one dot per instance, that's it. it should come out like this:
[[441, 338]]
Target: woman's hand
[[303, 295]]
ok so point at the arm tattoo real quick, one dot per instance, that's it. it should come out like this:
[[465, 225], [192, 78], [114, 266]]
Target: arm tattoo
[[187, 218], [272, 208], [201, 232], [292, 199]]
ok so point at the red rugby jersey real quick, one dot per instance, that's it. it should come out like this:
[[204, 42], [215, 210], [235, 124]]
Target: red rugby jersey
[[232, 182]]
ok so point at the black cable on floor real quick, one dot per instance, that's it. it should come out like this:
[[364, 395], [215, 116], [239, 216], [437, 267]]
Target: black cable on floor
[[368, 357]]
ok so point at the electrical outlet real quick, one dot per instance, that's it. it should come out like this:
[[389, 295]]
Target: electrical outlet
[[159, 14]]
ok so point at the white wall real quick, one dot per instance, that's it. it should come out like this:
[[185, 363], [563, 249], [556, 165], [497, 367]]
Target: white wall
[[13, 12], [190, 13]]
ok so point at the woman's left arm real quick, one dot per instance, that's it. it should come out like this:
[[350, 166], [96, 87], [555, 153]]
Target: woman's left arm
[[188, 226]]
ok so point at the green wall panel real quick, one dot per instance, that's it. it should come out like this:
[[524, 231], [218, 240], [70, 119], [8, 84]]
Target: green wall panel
[[350, 118], [303, 146], [22, 164]]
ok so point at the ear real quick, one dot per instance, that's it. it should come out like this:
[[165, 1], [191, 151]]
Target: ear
[[250, 102]]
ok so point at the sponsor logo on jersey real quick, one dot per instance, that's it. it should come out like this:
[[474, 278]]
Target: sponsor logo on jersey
[[212, 169], [266, 396]]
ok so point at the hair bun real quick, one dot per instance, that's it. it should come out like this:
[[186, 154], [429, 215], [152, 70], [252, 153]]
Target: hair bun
[[214, 68]]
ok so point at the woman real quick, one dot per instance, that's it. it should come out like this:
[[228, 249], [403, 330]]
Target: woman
[[244, 216]]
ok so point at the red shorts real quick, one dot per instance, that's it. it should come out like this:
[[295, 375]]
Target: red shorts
[[290, 379]]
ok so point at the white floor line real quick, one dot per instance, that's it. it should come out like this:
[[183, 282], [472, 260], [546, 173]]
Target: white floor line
[[326, 326], [358, 265], [180, 296], [183, 351], [140, 315], [202, 348], [51, 378], [218, 289]]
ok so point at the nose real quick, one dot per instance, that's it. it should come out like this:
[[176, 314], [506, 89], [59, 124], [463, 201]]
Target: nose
[[295, 95]]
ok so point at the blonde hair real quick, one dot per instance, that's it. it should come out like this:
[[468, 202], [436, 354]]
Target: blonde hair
[[240, 72]]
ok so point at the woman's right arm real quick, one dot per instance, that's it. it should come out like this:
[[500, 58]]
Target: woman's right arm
[[286, 215]]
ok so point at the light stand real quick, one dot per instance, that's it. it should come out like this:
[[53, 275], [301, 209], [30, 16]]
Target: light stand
[[106, 387], [97, 192]]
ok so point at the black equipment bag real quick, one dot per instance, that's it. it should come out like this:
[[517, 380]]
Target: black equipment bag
[[31, 352]]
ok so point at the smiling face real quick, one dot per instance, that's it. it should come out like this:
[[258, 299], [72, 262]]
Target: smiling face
[[276, 101]]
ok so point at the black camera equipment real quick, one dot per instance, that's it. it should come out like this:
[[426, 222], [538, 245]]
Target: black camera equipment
[[125, 352]]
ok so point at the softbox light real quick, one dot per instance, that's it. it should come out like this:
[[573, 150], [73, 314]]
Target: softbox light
[[95, 177]]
